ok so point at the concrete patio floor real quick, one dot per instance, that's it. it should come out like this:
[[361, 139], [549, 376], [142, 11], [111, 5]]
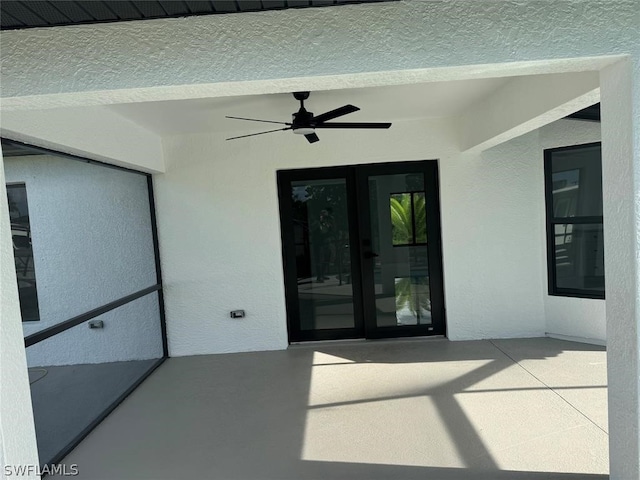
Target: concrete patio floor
[[66, 399], [428, 409]]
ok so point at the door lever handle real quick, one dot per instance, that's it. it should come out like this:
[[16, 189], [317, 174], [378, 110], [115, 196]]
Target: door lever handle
[[370, 255]]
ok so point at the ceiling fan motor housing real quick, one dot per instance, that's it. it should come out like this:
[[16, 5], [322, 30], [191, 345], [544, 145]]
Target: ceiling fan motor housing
[[302, 122], [300, 95]]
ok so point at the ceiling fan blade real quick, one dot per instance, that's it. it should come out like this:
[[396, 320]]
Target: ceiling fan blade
[[260, 133], [338, 112], [352, 125], [312, 137], [256, 120]]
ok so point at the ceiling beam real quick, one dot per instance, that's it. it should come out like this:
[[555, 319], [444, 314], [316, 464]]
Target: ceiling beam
[[97, 133], [220, 55], [525, 104]]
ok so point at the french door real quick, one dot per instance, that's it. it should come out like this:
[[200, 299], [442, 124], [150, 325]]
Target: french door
[[361, 251]]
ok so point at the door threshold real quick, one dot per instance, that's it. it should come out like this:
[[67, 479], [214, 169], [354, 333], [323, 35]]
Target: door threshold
[[366, 341]]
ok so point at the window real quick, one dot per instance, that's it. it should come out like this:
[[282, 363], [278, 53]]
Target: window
[[408, 218], [575, 243], [22, 251]]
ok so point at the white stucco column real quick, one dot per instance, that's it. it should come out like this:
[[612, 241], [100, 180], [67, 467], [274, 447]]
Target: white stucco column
[[620, 98], [17, 431]]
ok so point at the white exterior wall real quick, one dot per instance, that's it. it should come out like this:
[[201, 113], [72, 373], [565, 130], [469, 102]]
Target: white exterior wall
[[492, 253], [218, 224], [109, 137], [620, 85], [581, 319], [225, 253], [307, 49], [17, 430], [92, 244], [253, 53]]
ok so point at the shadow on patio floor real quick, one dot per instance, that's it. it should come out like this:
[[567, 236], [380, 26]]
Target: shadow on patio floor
[[403, 409]]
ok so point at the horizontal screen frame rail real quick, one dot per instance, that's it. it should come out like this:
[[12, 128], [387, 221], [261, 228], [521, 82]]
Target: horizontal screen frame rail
[[84, 317]]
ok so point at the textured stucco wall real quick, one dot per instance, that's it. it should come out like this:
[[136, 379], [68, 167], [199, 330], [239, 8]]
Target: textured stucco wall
[[92, 244], [492, 227], [17, 432], [494, 242], [106, 135], [493, 256], [525, 104], [307, 43], [220, 233], [131, 332], [620, 86], [577, 318]]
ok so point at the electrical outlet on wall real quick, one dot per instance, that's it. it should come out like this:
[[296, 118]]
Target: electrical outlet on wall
[[237, 313]]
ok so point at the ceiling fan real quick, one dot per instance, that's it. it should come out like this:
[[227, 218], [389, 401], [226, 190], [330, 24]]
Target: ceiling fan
[[305, 123]]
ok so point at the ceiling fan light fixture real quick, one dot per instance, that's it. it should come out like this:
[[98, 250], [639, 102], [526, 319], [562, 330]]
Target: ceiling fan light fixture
[[303, 130]]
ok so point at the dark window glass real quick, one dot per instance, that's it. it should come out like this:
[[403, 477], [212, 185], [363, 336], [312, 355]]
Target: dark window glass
[[577, 182], [579, 256], [22, 251], [573, 177]]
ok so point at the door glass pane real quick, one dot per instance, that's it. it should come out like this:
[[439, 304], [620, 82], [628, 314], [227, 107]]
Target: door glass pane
[[323, 257], [579, 256], [399, 239]]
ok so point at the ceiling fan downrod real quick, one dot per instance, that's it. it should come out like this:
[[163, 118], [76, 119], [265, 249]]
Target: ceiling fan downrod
[[302, 120]]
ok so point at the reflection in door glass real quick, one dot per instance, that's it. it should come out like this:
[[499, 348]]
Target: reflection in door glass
[[399, 238], [323, 262], [413, 302], [401, 206], [408, 218]]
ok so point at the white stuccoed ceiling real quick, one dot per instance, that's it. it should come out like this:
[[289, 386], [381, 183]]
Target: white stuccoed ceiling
[[388, 103]]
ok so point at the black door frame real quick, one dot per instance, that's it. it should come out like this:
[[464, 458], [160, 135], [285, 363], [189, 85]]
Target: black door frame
[[285, 177], [359, 229], [429, 168]]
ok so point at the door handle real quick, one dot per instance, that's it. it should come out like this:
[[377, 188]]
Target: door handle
[[370, 255]]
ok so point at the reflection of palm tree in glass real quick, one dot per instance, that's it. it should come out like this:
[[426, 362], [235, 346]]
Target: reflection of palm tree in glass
[[408, 212], [409, 227], [412, 295]]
